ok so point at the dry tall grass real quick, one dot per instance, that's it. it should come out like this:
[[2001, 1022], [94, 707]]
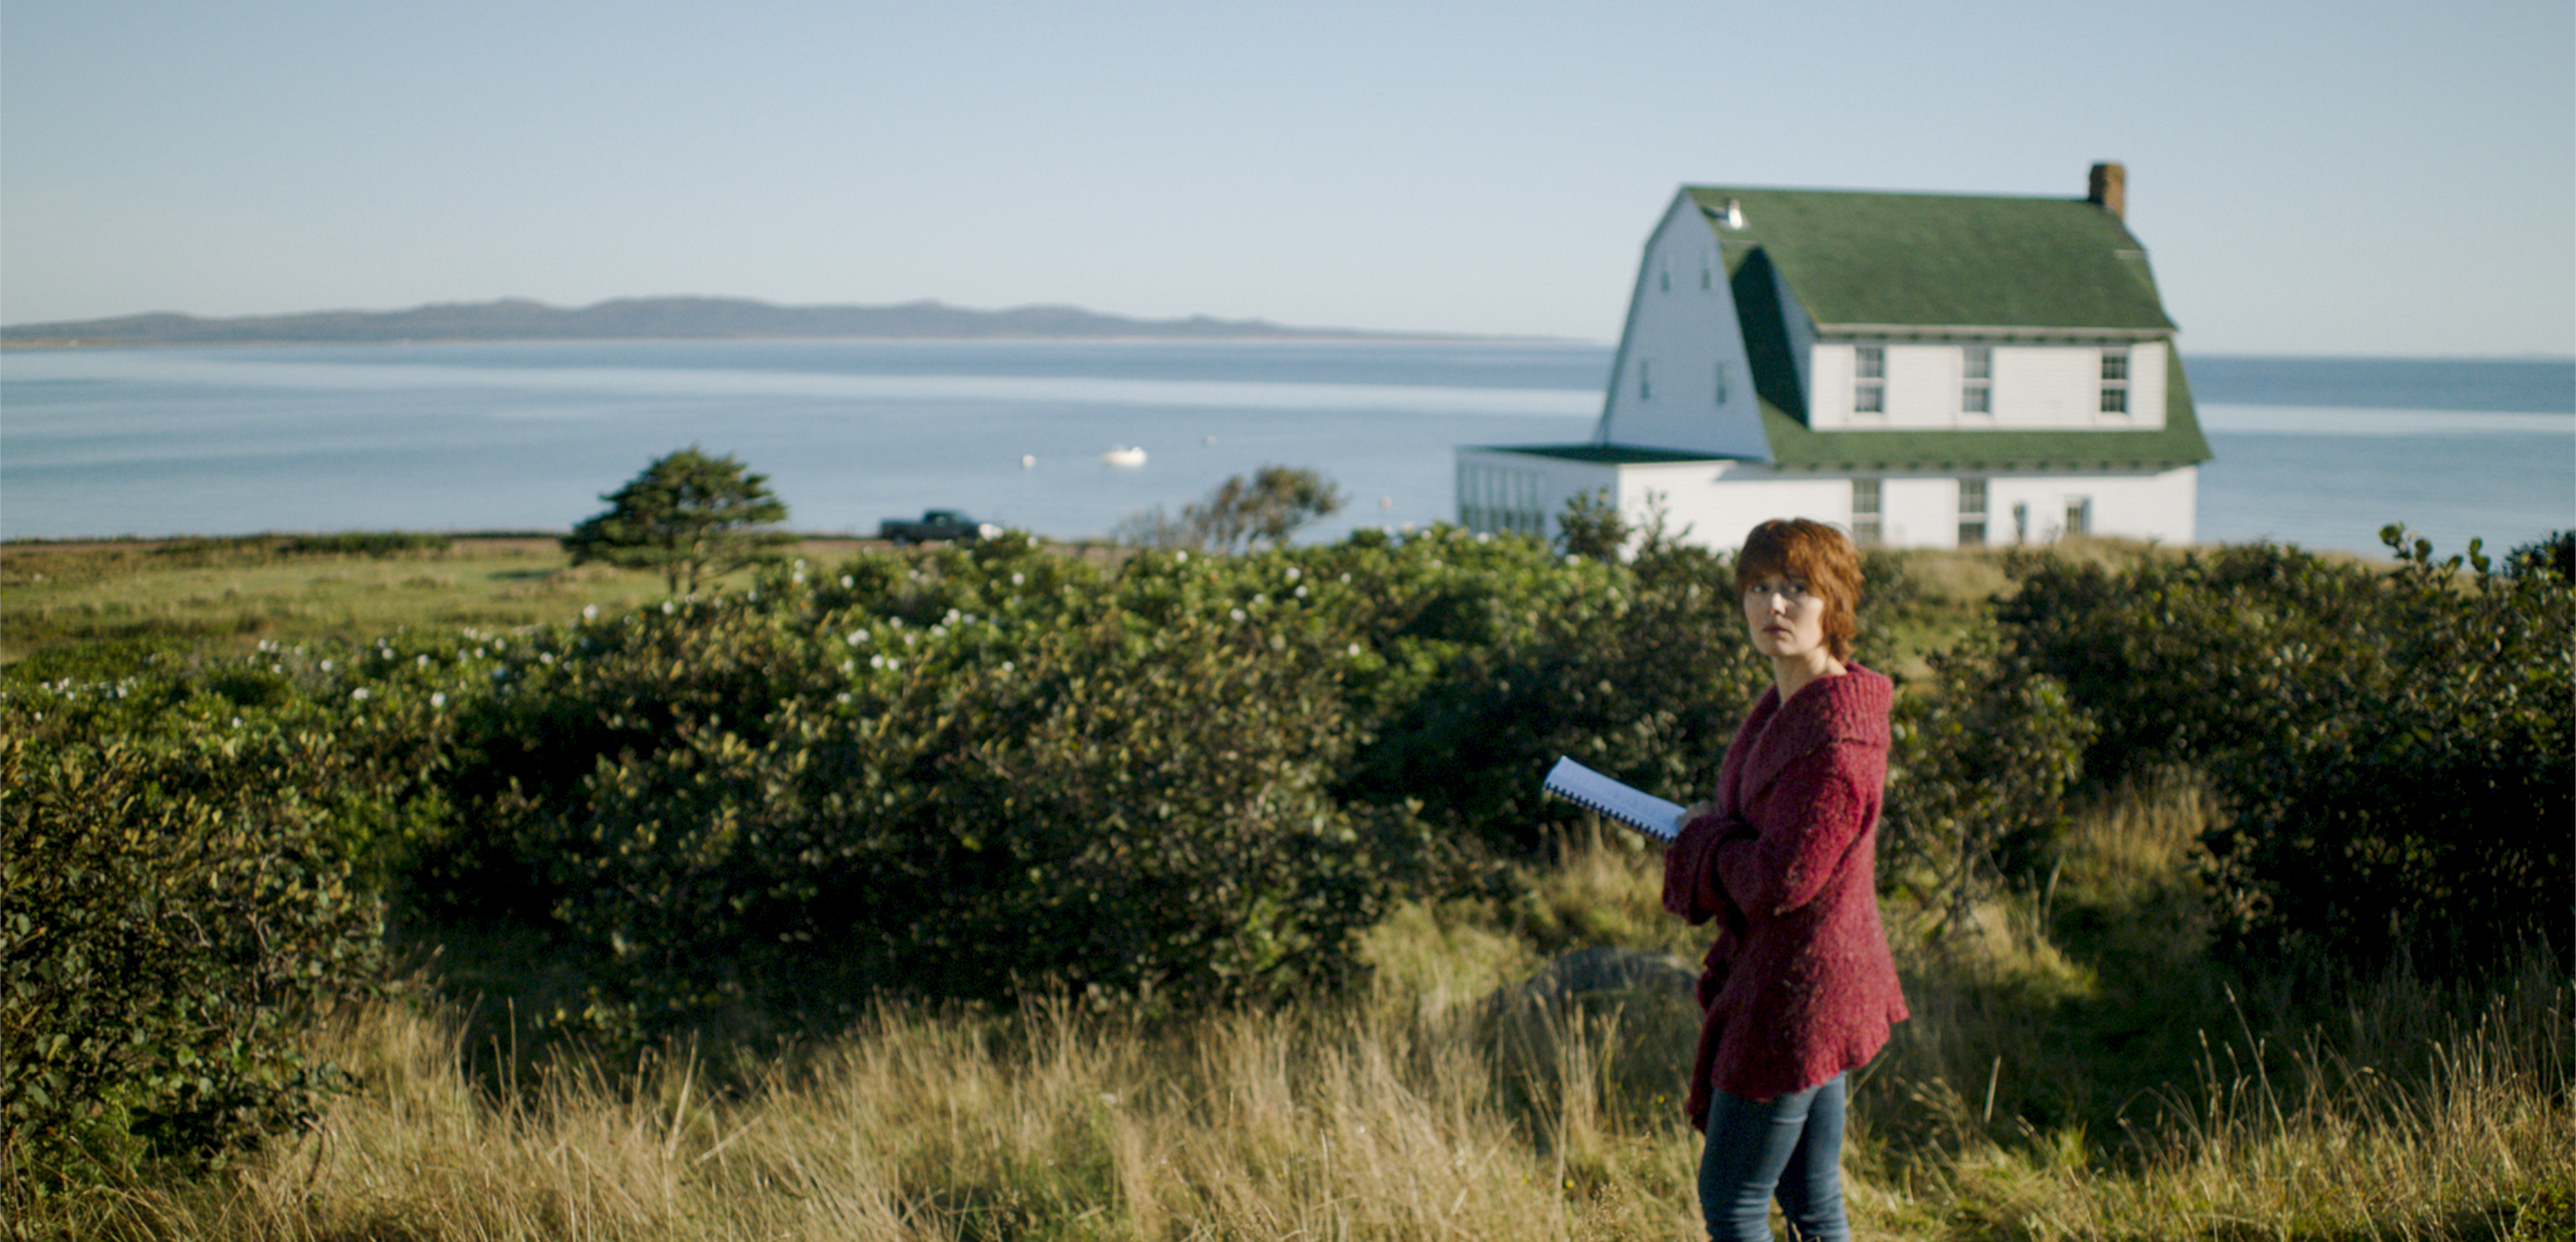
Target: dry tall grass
[[2014, 1105]]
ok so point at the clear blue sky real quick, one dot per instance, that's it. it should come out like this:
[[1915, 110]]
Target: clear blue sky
[[2311, 177]]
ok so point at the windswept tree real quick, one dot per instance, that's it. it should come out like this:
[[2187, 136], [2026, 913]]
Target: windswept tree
[[689, 516], [1270, 507]]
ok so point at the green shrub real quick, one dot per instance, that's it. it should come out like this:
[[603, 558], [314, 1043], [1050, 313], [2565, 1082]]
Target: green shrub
[[1979, 775], [2423, 811], [171, 920], [381, 545], [2554, 554], [970, 773], [1513, 657], [2207, 653], [2394, 747]]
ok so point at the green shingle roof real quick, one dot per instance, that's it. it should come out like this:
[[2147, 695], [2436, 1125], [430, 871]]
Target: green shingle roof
[[1864, 260]]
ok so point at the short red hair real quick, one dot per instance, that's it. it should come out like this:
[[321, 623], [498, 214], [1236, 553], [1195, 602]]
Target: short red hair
[[1816, 554]]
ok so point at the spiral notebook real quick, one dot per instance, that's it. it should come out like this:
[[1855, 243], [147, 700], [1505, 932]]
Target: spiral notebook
[[1634, 807]]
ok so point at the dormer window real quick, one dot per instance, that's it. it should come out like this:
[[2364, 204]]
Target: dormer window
[[1977, 379], [2115, 381], [1869, 379]]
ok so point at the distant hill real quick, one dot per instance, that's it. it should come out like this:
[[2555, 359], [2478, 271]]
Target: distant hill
[[684, 318]]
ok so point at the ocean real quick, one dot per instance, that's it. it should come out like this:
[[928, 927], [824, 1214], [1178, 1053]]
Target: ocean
[[465, 437]]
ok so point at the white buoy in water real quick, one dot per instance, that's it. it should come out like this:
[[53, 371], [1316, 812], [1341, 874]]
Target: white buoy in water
[[1028, 461], [1124, 456], [1211, 441]]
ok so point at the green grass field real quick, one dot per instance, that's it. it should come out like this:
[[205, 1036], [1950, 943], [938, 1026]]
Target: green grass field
[[236, 592]]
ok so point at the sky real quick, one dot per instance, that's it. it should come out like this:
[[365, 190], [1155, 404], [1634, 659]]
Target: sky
[[2309, 176]]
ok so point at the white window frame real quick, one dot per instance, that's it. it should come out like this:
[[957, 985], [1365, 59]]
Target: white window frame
[[2115, 381], [1869, 512], [1977, 379], [1869, 380], [1975, 495]]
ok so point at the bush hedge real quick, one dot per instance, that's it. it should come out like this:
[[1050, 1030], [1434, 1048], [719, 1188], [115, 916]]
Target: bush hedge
[[173, 913], [980, 772], [2393, 746]]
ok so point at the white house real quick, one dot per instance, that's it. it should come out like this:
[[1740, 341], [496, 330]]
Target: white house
[[1923, 370]]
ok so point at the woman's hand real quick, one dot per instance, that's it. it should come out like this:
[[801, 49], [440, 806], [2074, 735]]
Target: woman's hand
[[1706, 808]]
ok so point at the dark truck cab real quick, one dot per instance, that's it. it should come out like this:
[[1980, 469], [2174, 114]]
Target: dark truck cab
[[936, 524]]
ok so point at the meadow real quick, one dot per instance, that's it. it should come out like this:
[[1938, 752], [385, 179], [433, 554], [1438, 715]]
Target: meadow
[[233, 593], [2090, 1055]]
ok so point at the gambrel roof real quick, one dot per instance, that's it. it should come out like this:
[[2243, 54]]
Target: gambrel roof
[[1865, 261], [1929, 266]]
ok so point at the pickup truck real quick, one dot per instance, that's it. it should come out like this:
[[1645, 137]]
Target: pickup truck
[[935, 524]]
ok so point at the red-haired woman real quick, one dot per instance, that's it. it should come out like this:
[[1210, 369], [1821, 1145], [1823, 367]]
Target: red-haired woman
[[1799, 987]]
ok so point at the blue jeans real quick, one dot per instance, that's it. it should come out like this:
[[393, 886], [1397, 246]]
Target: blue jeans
[[1791, 1147]]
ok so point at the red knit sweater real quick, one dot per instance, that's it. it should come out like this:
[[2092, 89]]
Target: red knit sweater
[[1799, 986]]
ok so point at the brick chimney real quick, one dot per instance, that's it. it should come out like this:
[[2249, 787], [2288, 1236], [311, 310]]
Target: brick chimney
[[2108, 188]]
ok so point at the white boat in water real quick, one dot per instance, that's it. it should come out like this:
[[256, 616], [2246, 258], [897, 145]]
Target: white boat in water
[[1123, 456]]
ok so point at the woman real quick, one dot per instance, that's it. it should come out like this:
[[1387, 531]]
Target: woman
[[1799, 987]]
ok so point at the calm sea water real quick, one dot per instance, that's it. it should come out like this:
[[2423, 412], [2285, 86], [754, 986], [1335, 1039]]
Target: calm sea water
[[527, 436]]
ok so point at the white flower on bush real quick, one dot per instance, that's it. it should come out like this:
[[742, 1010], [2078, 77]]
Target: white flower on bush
[[438, 699], [857, 637], [590, 612], [1235, 613], [358, 695], [667, 610], [1018, 578], [876, 661]]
